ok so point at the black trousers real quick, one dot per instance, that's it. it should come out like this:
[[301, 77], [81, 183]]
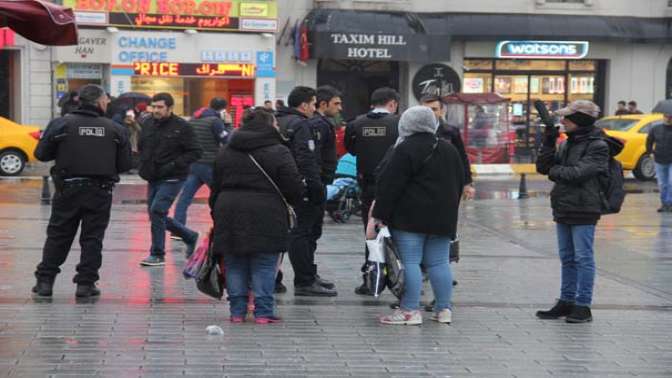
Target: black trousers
[[366, 197], [303, 242], [87, 204]]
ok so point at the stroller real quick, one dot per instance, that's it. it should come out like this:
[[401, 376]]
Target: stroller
[[343, 193]]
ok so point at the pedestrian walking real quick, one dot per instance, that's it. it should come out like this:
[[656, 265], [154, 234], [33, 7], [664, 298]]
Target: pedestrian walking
[[368, 138], [632, 108], [295, 125], [134, 129], [452, 135], [250, 216], [577, 202], [89, 152], [621, 109], [167, 147], [659, 145], [211, 128], [423, 175]]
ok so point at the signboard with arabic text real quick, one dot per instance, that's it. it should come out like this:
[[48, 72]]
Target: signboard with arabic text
[[210, 15]]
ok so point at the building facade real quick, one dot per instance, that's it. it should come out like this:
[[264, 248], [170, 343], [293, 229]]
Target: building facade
[[196, 52], [25, 77], [553, 50]]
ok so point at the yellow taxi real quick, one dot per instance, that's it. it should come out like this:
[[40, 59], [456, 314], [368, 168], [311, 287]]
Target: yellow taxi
[[17, 144], [633, 129]]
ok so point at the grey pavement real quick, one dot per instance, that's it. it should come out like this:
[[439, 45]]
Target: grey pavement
[[151, 322]]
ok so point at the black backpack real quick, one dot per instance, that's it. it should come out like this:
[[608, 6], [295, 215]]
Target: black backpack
[[612, 184]]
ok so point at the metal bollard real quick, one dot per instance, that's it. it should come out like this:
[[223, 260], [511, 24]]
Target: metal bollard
[[522, 188], [46, 191]]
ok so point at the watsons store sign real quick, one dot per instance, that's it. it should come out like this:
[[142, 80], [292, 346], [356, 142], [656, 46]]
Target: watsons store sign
[[542, 49]]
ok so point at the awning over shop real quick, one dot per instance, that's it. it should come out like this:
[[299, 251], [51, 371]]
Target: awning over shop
[[349, 34], [39, 21], [558, 27], [425, 37]]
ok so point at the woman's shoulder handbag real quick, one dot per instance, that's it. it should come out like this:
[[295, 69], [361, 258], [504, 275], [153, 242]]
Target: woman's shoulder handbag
[[291, 214]]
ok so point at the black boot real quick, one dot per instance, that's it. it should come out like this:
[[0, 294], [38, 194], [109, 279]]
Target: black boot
[[314, 290], [87, 290], [44, 287], [580, 314], [324, 283], [562, 308]]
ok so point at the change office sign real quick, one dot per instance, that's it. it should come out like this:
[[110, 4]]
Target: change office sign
[[542, 49]]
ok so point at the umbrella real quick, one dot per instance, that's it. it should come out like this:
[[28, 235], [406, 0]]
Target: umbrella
[[39, 21], [664, 107], [126, 101]]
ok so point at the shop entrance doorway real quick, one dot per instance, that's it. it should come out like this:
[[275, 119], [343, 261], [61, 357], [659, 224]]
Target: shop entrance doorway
[[9, 84], [357, 80]]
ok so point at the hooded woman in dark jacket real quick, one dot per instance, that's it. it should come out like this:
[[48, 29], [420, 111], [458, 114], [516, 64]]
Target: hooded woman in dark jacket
[[418, 196], [250, 217]]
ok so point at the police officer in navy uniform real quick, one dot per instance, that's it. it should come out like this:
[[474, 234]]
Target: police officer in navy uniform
[[90, 151], [368, 138], [303, 139]]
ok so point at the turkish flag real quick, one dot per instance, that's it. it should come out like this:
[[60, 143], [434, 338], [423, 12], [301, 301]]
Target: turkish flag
[[6, 37]]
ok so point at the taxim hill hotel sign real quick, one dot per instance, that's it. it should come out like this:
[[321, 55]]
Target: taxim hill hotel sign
[[542, 49], [211, 15]]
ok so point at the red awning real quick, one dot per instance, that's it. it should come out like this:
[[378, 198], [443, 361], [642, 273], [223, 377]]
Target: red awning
[[40, 21]]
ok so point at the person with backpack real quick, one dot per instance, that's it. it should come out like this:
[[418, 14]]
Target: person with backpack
[[585, 187], [211, 127]]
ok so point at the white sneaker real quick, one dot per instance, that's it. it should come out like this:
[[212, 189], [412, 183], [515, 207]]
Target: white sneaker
[[444, 316], [401, 317]]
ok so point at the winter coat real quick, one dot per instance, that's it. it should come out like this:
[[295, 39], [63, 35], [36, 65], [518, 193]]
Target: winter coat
[[302, 142], [420, 186], [210, 132], [167, 149], [575, 167], [452, 134], [368, 138], [326, 147], [249, 215], [659, 142]]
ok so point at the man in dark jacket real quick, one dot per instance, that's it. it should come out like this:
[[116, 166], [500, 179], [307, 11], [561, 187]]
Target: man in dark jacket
[[659, 145], [577, 203], [451, 134], [167, 148], [211, 130], [368, 138], [90, 152], [294, 123]]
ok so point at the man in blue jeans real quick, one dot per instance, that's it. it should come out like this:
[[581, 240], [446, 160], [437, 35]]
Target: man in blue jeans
[[167, 148], [211, 127], [576, 199], [659, 144]]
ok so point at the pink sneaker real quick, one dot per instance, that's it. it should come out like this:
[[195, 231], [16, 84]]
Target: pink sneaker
[[401, 317], [267, 320], [237, 319]]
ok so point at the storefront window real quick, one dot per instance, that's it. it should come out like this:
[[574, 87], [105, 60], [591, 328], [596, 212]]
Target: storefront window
[[477, 83], [192, 94], [582, 65], [530, 65], [556, 82], [478, 64]]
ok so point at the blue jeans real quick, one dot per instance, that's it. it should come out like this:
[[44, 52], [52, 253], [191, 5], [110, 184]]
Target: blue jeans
[[433, 252], [160, 197], [575, 243], [199, 174], [260, 269], [664, 177]]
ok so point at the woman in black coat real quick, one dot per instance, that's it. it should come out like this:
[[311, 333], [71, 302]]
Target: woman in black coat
[[418, 197], [251, 226]]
